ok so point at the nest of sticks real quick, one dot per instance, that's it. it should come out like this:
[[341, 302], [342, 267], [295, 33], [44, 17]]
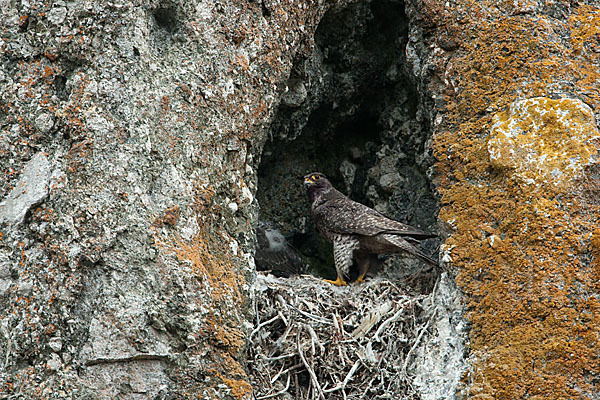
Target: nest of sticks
[[313, 340]]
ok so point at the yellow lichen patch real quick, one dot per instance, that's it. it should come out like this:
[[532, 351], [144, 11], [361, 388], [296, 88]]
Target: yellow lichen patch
[[595, 242], [215, 266], [227, 343], [543, 140], [230, 338], [223, 335], [586, 26], [240, 389]]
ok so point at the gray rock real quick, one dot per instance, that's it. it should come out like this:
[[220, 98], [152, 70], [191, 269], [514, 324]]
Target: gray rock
[[4, 286], [55, 344], [434, 378], [295, 94], [44, 122], [30, 190], [5, 281], [57, 14], [54, 363], [136, 128], [390, 181]]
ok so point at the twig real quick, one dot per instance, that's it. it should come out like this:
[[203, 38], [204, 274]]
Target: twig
[[343, 384], [284, 336], [385, 323], [313, 377], [311, 316], [282, 391], [286, 371], [283, 318], [259, 327], [281, 357], [314, 338], [336, 326], [370, 320]]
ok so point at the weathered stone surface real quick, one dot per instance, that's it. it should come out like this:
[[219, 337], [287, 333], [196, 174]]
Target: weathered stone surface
[[30, 189], [440, 361], [523, 224], [129, 139]]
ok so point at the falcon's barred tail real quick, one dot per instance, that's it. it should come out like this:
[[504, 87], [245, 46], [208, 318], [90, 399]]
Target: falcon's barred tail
[[404, 245], [426, 258]]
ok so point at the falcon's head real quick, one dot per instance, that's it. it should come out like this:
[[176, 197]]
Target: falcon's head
[[316, 184]]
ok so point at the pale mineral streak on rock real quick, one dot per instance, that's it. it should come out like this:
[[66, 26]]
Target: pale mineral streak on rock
[[30, 189], [5, 278], [542, 140], [439, 361]]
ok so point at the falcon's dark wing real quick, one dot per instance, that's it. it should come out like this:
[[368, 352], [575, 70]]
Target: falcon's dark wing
[[345, 216]]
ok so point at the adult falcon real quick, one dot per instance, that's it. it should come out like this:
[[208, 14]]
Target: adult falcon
[[358, 232]]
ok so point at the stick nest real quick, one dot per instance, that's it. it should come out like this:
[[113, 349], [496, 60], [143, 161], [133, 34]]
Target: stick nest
[[313, 340]]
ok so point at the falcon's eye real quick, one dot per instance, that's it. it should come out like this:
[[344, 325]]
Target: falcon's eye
[[316, 177]]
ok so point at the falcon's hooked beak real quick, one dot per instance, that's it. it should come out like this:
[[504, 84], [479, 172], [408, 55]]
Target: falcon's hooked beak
[[307, 181], [314, 179]]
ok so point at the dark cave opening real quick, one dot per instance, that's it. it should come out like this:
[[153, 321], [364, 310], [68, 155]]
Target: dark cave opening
[[350, 111]]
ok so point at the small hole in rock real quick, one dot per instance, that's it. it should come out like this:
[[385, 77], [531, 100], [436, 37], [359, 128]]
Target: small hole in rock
[[265, 11], [60, 86], [166, 18]]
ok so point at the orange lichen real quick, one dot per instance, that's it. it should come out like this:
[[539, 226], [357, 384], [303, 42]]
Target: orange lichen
[[78, 154], [211, 262], [585, 27], [227, 345], [240, 389], [169, 217], [218, 271], [531, 294], [595, 242], [231, 338]]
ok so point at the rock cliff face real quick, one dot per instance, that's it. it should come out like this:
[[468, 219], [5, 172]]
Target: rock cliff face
[[130, 136], [515, 111], [136, 138]]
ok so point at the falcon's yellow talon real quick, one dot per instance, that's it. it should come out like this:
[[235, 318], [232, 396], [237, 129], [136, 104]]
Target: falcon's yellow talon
[[338, 282], [360, 279]]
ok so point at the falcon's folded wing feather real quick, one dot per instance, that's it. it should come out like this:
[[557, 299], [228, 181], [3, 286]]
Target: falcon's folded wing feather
[[346, 216]]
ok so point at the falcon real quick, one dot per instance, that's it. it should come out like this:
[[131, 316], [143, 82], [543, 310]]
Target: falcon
[[274, 253], [358, 232]]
